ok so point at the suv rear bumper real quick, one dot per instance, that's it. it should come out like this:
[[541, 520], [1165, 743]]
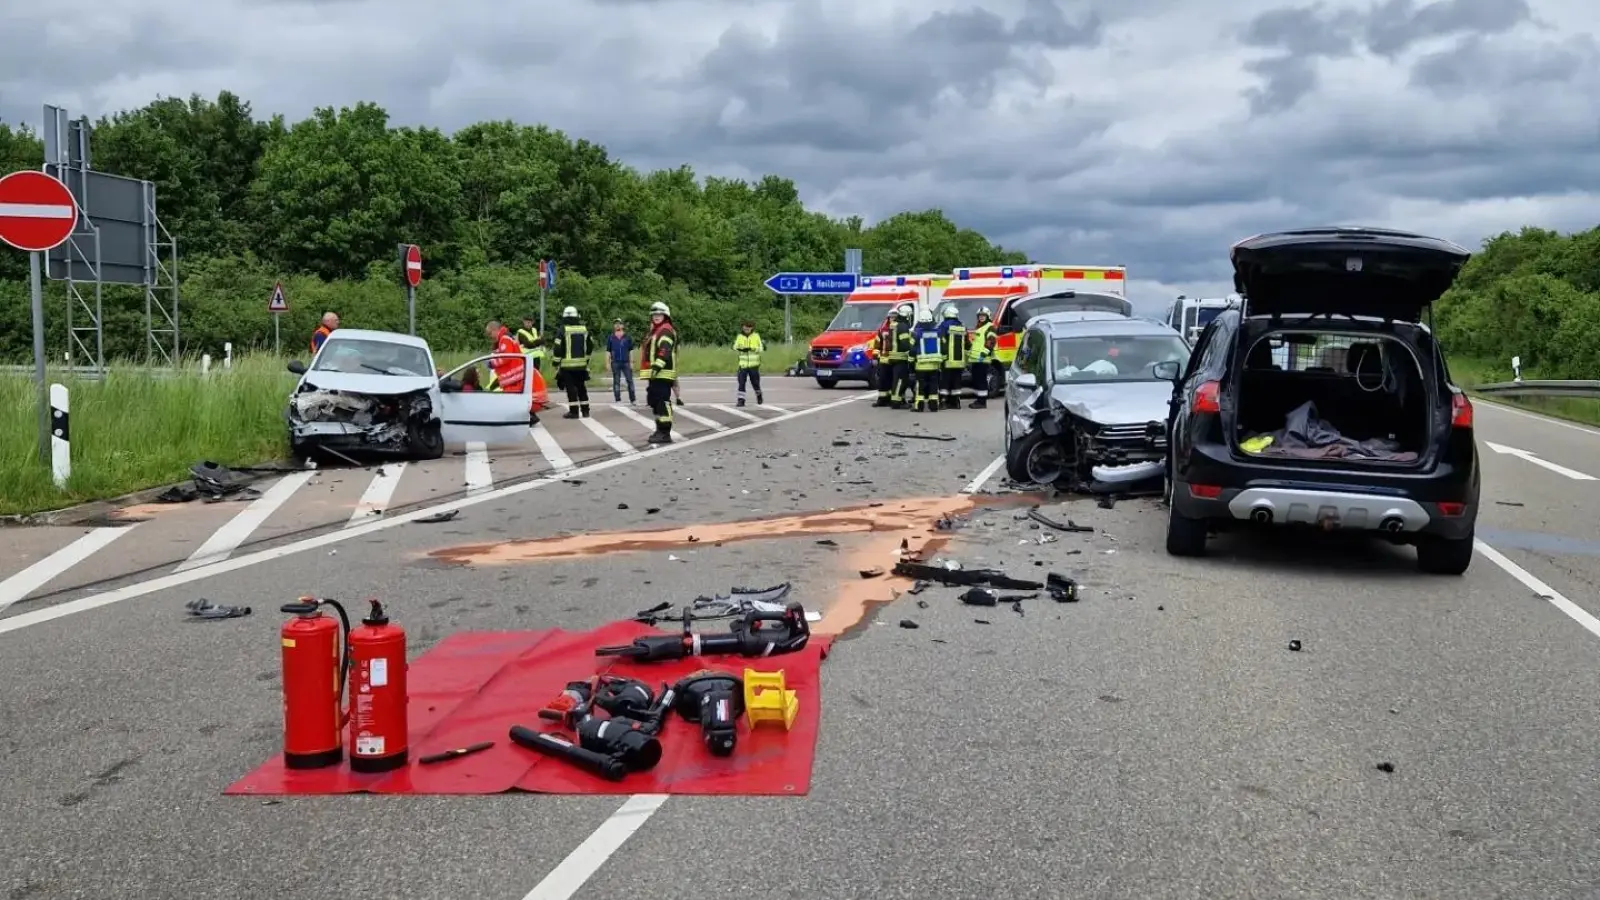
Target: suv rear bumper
[[1399, 505]]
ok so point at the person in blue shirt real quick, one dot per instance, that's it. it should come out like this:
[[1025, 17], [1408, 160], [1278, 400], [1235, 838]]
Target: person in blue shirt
[[620, 345]]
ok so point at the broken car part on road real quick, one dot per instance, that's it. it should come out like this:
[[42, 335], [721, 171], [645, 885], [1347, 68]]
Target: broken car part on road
[[964, 577]]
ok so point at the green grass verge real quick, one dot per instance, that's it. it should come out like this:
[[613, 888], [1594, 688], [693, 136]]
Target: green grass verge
[[133, 430], [1470, 373]]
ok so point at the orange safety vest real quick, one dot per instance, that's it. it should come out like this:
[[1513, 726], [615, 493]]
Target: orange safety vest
[[322, 330], [508, 372]]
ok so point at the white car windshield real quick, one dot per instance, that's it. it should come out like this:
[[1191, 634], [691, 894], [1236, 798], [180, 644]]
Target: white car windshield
[[1116, 358], [363, 357], [860, 317]]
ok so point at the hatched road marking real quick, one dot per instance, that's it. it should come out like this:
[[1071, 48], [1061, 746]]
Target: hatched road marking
[[188, 574], [480, 477], [227, 539], [550, 448], [608, 436], [40, 573], [375, 499]]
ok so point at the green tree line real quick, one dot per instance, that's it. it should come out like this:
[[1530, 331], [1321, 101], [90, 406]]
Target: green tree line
[[320, 205], [1533, 294]]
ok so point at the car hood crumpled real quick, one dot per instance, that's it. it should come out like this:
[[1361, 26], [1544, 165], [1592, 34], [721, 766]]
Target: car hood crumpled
[[1115, 403], [373, 385]]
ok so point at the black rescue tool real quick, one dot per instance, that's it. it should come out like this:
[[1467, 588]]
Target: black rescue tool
[[606, 767], [629, 742], [964, 577], [756, 633], [1062, 589], [457, 753], [715, 700]]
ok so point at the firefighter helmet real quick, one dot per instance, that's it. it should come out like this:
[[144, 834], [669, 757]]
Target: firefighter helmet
[[984, 311], [659, 308], [570, 312], [927, 316], [950, 311]]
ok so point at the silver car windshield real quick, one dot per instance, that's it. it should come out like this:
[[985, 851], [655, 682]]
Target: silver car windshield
[[359, 357], [1080, 360]]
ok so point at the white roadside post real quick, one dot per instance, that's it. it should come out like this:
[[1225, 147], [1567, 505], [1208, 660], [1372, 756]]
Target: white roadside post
[[205, 364], [1516, 368], [60, 436], [227, 356]]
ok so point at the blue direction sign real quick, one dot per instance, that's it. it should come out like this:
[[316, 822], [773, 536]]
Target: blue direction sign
[[812, 283]]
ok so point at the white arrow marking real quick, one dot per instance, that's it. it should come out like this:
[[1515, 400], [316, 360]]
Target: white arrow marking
[[1574, 474], [36, 211]]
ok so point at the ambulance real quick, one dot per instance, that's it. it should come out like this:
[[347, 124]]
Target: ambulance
[[1190, 315], [1104, 288], [844, 351]]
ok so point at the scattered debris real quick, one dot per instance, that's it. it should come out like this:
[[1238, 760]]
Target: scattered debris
[[827, 542], [205, 609], [983, 621], [573, 481], [1160, 608], [693, 539], [436, 518], [1294, 646], [978, 597], [1062, 589], [622, 506], [652, 510], [1017, 608], [1509, 503], [922, 604], [1385, 767], [950, 523], [841, 443], [907, 623], [1071, 526], [1109, 501], [919, 437], [672, 558], [917, 587], [1018, 598], [873, 572], [952, 574], [938, 641], [737, 602]]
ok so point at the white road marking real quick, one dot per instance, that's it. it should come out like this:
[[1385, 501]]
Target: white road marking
[[977, 483], [479, 477], [1528, 456], [572, 873], [238, 529], [178, 579], [636, 416], [734, 411], [552, 451], [41, 573], [774, 407], [37, 211], [609, 437], [1548, 420], [712, 424], [1575, 612], [375, 499]]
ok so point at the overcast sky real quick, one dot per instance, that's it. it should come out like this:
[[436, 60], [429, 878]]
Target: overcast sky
[[1150, 133]]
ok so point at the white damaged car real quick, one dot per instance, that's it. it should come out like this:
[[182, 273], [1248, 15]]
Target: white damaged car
[[1085, 404], [378, 392]]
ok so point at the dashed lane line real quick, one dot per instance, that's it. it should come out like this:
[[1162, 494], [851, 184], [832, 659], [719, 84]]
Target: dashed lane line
[[188, 576]]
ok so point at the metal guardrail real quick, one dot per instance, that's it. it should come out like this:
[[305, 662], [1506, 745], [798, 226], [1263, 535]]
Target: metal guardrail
[[1580, 389]]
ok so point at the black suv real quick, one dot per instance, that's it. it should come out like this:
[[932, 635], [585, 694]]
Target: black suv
[[1325, 401]]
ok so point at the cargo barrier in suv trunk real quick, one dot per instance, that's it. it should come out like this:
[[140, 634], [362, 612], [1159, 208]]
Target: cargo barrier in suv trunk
[[1350, 398]]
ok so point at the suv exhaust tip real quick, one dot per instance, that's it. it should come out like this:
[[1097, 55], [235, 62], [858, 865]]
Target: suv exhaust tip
[[1261, 515], [1392, 525]]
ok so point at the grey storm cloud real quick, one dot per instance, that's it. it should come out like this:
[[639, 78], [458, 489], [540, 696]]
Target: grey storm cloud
[[1151, 133]]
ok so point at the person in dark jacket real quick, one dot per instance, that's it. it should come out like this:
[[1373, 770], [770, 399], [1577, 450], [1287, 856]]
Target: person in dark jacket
[[620, 346]]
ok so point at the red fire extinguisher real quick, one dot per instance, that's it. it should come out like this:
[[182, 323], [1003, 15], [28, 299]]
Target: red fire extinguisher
[[377, 694], [317, 664]]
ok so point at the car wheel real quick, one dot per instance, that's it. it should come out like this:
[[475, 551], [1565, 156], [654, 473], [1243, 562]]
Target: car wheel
[[426, 440], [827, 383], [1185, 536], [1444, 556], [1035, 459], [1166, 484]]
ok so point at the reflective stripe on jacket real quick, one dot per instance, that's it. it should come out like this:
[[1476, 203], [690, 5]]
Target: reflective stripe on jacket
[[749, 348]]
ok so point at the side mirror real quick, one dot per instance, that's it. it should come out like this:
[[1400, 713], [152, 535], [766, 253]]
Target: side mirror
[[1167, 371], [449, 384], [1027, 381], [297, 367]]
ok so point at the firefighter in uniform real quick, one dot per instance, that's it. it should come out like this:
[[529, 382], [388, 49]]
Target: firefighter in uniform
[[661, 349], [953, 347], [531, 341], [927, 360], [980, 355], [882, 369], [747, 344], [900, 356], [571, 355]]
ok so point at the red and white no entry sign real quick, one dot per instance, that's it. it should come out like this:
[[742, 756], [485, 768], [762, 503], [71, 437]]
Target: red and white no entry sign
[[413, 265], [37, 212]]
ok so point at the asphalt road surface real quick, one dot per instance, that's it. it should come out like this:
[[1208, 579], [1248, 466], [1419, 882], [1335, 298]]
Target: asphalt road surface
[[1157, 739]]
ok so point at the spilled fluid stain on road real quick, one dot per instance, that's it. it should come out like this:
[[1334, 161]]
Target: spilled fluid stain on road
[[880, 527]]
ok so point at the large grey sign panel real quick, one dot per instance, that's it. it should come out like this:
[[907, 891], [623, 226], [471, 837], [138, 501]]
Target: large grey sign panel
[[124, 211]]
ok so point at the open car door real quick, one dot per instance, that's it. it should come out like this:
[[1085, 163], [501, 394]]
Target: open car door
[[492, 417]]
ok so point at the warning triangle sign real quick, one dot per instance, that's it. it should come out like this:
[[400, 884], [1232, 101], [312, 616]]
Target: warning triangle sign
[[278, 303]]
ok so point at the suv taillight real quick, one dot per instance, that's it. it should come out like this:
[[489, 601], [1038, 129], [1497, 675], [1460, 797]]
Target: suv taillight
[[1460, 411], [1207, 398]]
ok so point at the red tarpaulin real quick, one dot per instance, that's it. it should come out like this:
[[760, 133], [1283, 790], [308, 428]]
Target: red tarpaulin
[[474, 685]]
